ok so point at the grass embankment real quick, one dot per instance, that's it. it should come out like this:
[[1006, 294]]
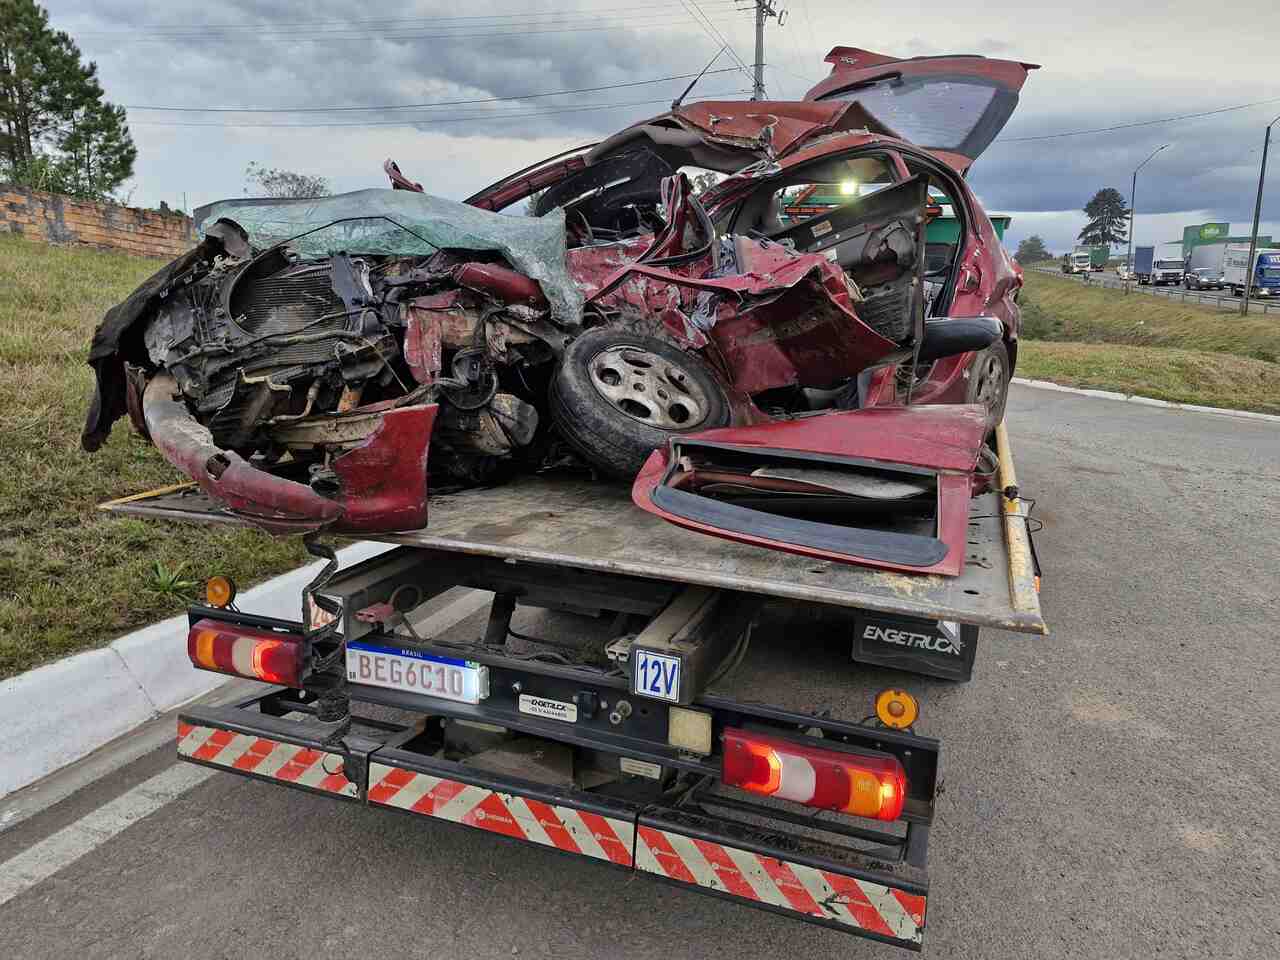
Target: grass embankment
[[72, 577], [1152, 346]]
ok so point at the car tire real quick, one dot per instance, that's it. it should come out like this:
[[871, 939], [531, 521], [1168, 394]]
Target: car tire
[[989, 378], [617, 396]]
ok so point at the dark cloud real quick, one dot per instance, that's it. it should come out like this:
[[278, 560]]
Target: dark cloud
[[1210, 167], [1209, 164], [394, 63]]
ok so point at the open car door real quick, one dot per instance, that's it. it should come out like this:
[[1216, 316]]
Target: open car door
[[953, 106]]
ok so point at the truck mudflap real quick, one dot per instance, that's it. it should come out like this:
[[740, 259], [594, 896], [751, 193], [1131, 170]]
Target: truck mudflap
[[685, 843]]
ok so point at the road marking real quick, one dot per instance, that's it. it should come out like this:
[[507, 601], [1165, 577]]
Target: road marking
[[61, 849]]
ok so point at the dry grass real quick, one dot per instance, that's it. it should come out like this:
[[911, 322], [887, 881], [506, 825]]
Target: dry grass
[[1183, 376], [72, 577], [1157, 347], [1062, 309]]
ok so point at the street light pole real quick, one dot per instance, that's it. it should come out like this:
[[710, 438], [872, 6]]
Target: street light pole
[[1257, 214], [1133, 204]]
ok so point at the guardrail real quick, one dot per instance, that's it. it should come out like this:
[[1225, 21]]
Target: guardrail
[[1220, 301]]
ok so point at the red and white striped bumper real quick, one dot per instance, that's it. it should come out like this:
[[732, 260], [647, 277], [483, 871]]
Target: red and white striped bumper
[[700, 853], [861, 905], [571, 829], [263, 757]]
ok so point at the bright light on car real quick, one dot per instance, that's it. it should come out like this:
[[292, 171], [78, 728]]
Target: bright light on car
[[849, 187]]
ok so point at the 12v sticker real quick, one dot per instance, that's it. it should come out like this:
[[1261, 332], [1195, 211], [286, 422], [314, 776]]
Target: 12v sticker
[[655, 675]]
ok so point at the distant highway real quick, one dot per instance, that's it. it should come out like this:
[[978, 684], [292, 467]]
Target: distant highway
[[1221, 299]]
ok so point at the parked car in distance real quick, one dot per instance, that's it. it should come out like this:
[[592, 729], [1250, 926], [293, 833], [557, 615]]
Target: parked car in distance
[[1203, 278]]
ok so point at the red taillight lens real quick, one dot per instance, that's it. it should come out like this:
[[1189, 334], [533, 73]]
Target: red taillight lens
[[246, 652], [867, 786]]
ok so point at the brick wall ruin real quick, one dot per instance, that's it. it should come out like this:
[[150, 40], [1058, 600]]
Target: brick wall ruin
[[53, 218]]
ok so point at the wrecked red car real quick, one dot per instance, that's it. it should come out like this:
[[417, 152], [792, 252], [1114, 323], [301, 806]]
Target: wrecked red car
[[754, 359]]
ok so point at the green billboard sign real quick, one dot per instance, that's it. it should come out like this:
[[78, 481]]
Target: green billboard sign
[[1199, 233]]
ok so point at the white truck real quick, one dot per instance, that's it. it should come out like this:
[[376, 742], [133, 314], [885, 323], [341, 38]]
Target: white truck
[[1081, 260], [1168, 266], [1265, 268]]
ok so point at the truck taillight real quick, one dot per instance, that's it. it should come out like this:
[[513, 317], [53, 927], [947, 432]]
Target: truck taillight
[[866, 786], [246, 652]]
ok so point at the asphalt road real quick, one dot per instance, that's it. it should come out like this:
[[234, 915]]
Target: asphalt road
[[1110, 791]]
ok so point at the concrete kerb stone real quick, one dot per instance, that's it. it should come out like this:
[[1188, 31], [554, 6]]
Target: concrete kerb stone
[[1147, 401]]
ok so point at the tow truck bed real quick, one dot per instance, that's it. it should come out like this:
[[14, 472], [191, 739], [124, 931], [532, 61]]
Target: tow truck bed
[[594, 526]]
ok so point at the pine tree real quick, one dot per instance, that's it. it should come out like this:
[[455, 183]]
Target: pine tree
[[57, 131], [1107, 218]]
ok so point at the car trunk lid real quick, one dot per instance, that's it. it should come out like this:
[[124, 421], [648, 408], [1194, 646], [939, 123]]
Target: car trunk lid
[[953, 106]]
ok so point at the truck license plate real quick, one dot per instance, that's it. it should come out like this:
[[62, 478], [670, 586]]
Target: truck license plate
[[399, 668]]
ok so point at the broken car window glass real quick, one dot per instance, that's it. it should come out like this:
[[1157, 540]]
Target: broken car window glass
[[942, 114]]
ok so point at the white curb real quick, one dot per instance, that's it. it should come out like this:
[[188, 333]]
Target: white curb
[[54, 715], [1147, 401]]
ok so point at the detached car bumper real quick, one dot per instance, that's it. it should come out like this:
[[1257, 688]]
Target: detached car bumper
[[379, 485]]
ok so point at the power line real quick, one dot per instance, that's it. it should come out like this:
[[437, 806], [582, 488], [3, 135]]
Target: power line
[[413, 121], [1139, 123], [623, 22], [436, 103], [524, 16], [711, 31]]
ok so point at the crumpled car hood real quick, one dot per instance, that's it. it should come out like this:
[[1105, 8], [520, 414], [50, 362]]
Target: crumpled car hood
[[406, 223]]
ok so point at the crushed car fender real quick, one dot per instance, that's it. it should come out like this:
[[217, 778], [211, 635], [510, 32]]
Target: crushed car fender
[[271, 502]]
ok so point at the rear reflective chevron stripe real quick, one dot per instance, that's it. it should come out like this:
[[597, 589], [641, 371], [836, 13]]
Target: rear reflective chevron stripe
[[570, 829], [628, 836], [858, 904], [263, 757]]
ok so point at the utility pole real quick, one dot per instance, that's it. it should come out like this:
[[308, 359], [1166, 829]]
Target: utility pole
[[764, 10], [1133, 203], [1257, 214]]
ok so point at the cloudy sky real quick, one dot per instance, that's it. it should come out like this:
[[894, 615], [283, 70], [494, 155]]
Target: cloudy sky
[[1122, 63]]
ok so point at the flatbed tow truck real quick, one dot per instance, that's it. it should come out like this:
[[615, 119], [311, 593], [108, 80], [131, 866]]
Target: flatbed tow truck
[[668, 720]]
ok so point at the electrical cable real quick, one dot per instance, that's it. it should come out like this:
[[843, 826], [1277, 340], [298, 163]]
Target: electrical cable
[[499, 34], [523, 17], [736, 655], [1139, 123], [434, 103], [412, 121], [713, 32]]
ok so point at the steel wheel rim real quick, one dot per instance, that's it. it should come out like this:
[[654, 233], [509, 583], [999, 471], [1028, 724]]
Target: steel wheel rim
[[648, 388], [990, 382]]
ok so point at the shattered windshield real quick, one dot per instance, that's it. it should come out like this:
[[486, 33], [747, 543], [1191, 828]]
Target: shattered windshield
[[406, 223], [962, 114]]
